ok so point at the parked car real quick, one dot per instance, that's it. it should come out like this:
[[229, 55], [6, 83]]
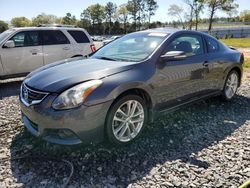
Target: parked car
[[25, 49], [126, 84], [98, 38], [110, 39]]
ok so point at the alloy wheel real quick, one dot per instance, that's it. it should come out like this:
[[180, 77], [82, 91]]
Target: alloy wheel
[[231, 85], [128, 120]]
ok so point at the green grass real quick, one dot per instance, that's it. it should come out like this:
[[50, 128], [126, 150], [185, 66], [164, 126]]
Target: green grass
[[238, 43]]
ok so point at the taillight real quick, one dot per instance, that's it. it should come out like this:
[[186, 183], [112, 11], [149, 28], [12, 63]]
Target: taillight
[[93, 48], [242, 58]]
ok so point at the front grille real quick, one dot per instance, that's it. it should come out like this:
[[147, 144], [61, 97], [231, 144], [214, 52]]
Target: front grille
[[30, 96]]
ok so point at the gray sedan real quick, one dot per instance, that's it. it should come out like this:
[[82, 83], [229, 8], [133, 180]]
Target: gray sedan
[[124, 85]]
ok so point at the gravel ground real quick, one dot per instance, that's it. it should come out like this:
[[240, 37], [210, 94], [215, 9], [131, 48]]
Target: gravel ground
[[203, 145]]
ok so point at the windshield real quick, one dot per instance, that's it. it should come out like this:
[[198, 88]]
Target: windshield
[[132, 47], [5, 34]]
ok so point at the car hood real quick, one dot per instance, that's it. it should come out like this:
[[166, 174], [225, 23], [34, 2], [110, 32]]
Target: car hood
[[57, 77]]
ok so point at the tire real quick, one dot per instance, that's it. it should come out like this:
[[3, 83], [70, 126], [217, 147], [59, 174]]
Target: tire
[[119, 121], [226, 94]]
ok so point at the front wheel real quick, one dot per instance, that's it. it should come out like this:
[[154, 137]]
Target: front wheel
[[231, 85], [126, 119]]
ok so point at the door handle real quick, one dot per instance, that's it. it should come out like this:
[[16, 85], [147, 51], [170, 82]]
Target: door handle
[[205, 64], [66, 48]]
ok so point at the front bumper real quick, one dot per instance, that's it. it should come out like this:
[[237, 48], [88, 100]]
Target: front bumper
[[84, 124]]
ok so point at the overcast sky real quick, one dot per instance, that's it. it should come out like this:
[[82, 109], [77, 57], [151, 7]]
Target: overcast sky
[[31, 8]]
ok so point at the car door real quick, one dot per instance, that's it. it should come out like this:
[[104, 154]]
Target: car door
[[25, 56], [179, 81], [215, 62], [55, 46]]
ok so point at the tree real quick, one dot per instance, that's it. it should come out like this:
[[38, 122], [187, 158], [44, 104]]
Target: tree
[[215, 5], [245, 16], [3, 26], [123, 16], [110, 10], [85, 15], [196, 7], [95, 14], [133, 10], [156, 24], [177, 12], [20, 22], [151, 7], [69, 19], [85, 21], [136, 8], [141, 13], [45, 19]]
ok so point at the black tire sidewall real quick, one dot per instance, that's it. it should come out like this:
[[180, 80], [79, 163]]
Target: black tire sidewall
[[224, 89], [111, 113]]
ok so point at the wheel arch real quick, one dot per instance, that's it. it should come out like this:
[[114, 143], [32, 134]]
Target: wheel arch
[[144, 94], [238, 70]]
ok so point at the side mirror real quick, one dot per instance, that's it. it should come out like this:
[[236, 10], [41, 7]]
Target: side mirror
[[173, 56], [9, 44]]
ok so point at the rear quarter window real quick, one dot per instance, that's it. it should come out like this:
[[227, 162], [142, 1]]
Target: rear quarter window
[[54, 37], [212, 45], [79, 36]]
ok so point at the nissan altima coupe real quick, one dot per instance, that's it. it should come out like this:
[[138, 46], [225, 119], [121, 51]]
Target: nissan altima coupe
[[114, 93]]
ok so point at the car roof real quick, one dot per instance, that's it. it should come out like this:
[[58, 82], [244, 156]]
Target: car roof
[[163, 30], [46, 28], [169, 30]]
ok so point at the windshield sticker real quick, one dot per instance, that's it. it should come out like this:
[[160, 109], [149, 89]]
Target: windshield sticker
[[158, 34]]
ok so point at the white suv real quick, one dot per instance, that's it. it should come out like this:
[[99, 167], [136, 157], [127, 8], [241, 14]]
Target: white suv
[[25, 49]]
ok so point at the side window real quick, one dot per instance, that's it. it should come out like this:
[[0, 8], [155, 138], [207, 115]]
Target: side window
[[26, 38], [79, 36], [212, 45], [190, 44], [54, 37]]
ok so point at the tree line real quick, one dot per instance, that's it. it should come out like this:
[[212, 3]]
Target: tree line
[[136, 15], [191, 17]]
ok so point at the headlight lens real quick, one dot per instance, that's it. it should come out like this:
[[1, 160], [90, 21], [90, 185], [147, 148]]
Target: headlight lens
[[76, 95]]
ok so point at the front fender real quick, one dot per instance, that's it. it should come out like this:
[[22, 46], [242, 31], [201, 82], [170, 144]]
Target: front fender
[[115, 85], [129, 86]]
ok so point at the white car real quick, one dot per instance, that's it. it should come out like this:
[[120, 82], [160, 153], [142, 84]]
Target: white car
[[24, 49]]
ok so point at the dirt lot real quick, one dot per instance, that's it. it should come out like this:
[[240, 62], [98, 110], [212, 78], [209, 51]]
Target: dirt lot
[[204, 145]]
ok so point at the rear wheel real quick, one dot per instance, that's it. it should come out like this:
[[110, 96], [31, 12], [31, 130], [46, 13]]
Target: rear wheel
[[231, 85], [126, 119]]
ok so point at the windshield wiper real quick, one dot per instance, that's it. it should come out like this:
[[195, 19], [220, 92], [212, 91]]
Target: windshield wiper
[[107, 58]]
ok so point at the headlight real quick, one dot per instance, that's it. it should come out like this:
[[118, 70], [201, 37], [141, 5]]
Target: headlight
[[76, 95]]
